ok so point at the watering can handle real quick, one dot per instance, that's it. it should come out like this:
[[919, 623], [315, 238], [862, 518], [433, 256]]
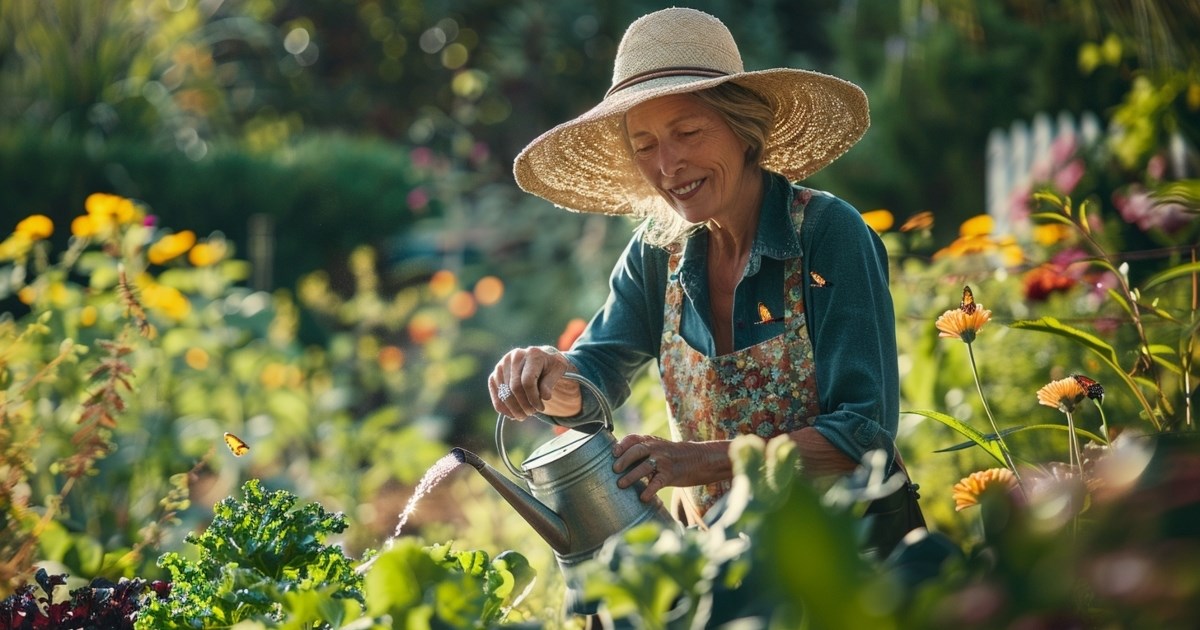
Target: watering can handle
[[605, 409]]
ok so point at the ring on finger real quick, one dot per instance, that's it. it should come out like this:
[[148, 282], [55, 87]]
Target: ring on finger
[[504, 392], [653, 465]]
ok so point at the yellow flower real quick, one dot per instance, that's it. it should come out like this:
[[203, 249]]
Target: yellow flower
[[109, 208], [27, 295], [879, 220], [978, 225], [37, 227], [15, 246], [957, 322], [88, 316], [84, 226], [167, 300], [1062, 394], [196, 358], [1050, 234], [171, 246], [207, 254], [968, 490]]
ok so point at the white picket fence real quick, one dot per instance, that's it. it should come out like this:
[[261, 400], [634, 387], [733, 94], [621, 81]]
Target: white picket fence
[[1016, 153]]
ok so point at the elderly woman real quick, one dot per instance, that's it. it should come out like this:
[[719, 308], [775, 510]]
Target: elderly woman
[[765, 303]]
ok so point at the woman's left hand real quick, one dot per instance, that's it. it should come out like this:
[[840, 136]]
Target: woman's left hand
[[665, 463]]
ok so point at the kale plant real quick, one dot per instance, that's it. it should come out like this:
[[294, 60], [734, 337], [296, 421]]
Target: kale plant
[[263, 559]]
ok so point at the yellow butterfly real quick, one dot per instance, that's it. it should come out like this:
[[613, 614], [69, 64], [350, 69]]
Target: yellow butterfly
[[236, 445]]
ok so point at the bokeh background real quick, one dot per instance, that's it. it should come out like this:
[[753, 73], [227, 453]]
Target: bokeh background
[[344, 167]]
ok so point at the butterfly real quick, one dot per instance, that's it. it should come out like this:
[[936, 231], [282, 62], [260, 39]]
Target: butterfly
[[236, 445], [818, 280], [967, 305], [1094, 389], [764, 315], [918, 221]]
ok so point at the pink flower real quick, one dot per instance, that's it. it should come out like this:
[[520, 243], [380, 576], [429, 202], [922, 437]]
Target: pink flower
[[1138, 207]]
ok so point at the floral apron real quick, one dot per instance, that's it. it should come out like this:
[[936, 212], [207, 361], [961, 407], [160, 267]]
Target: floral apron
[[767, 389]]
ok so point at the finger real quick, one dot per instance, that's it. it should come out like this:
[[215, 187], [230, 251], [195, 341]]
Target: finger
[[645, 469], [504, 394], [539, 373], [636, 450], [650, 494], [626, 443], [556, 366]]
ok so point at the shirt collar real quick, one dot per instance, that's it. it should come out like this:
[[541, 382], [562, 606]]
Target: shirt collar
[[776, 236]]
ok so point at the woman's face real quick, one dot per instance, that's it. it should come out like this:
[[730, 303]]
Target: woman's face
[[691, 156]]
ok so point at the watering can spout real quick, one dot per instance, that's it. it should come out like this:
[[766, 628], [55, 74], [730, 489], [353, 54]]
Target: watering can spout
[[544, 521]]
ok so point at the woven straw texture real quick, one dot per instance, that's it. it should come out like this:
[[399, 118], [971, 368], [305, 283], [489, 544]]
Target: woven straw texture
[[584, 164]]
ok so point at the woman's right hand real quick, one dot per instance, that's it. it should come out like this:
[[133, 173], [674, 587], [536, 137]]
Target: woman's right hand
[[529, 380]]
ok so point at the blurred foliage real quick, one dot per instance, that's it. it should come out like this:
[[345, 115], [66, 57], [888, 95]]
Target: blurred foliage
[[375, 137]]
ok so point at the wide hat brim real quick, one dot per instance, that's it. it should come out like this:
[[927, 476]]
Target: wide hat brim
[[584, 164]]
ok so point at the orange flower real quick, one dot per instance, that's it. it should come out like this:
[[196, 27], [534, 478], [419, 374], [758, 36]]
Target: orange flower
[[1062, 394], [956, 322], [968, 490], [574, 328]]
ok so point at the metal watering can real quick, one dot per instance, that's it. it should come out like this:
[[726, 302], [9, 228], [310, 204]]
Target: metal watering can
[[573, 500]]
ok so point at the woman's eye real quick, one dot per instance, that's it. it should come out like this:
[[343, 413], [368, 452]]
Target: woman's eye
[[642, 150]]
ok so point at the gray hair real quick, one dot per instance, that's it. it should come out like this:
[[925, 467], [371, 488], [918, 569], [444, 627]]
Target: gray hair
[[750, 117]]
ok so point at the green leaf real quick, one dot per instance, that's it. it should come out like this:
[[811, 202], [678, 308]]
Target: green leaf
[[1177, 271], [1083, 220], [1049, 197], [990, 436], [1120, 299], [1062, 427], [1051, 216], [1184, 191], [1055, 327], [991, 447]]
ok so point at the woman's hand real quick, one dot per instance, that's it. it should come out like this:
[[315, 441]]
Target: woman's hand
[[665, 463], [529, 380]]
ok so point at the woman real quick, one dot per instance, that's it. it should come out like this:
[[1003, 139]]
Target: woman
[[765, 303]]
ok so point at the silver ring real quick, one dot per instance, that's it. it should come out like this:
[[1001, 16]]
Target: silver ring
[[653, 465], [504, 392]]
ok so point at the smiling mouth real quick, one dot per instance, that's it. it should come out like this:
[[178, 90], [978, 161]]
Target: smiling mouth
[[687, 189]]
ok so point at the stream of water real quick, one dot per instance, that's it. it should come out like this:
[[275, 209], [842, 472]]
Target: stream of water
[[436, 473]]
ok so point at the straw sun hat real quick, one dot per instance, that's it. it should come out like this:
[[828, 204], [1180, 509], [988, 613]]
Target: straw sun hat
[[585, 164]]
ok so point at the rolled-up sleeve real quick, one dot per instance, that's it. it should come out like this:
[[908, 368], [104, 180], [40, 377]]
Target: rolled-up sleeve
[[626, 333], [851, 322]]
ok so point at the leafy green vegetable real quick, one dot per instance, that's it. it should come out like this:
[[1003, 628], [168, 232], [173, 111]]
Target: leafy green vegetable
[[262, 558], [438, 587]]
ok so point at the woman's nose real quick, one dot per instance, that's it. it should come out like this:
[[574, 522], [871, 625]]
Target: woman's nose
[[670, 160]]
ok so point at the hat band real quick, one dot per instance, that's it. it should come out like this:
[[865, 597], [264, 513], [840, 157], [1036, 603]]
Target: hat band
[[664, 72]]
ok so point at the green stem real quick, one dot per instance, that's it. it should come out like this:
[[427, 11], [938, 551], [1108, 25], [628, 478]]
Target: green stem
[[1075, 455], [999, 438], [1103, 424]]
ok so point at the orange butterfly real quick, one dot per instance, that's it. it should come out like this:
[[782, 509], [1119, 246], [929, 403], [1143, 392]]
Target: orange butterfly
[[1094, 389], [968, 301], [918, 221], [764, 315], [236, 445], [819, 281]]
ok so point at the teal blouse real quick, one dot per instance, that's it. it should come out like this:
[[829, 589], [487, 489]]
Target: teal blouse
[[850, 319]]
